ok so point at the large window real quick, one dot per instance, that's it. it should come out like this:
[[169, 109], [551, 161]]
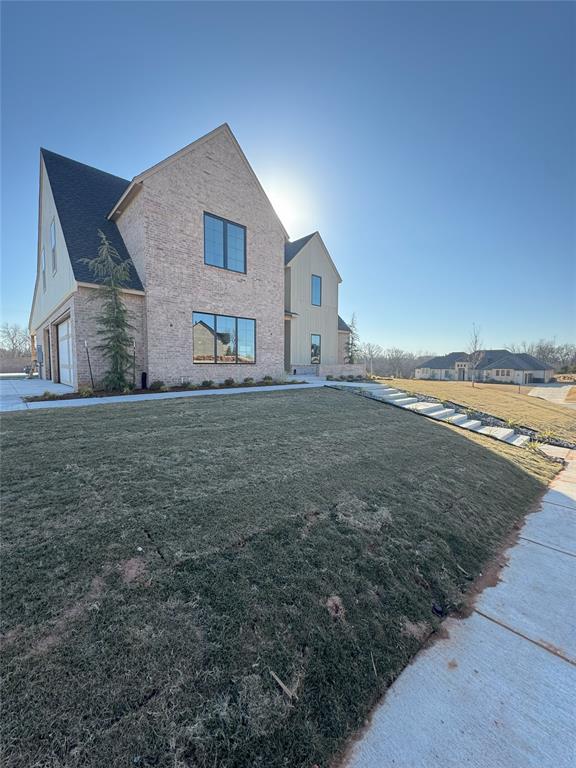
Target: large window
[[223, 339], [315, 348], [224, 243], [316, 290], [53, 244]]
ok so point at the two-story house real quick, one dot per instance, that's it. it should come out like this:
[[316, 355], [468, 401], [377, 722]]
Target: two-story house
[[216, 288]]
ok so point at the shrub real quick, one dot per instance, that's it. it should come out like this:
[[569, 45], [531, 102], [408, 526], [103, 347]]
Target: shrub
[[268, 378], [185, 384], [359, 377], [207, 383], [342, 378], [156, 385], [248, 380], [85, 391], [164, 388], [127, 390], [229, 382], [47, 395], [329, 377], [188, 385], [350, 377]]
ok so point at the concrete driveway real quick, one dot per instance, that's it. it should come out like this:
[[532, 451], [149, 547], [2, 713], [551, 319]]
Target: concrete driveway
[[554, 393], [12, 391], [500, 689]]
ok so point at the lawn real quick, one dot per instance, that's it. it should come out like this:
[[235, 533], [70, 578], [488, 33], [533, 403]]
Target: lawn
[[502, 401], [166, 564]]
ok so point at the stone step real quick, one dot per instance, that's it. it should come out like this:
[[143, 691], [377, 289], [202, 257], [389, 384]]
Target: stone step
[[472, 424], [405, 401], [425, 408], [518, 440], [393, 395], [500, 433], [458, 419], [442, 414]]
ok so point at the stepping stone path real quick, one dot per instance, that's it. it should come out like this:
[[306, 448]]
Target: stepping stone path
[[436, 411]]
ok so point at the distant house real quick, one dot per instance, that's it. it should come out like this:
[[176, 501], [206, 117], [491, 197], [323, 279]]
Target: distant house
[[216, 287], [496, 365]]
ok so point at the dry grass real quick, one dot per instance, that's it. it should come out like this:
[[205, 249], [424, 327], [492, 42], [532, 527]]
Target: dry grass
[[571, 397], [502, 401], [166, 564]]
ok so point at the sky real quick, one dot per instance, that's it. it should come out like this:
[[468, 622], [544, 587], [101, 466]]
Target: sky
[[432, 144]]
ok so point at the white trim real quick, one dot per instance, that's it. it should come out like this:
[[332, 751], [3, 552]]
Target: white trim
[[123, 290], [326, 252]]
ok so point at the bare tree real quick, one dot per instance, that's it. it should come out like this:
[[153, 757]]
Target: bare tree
[[475, 349], [14, 340], [370, 352]]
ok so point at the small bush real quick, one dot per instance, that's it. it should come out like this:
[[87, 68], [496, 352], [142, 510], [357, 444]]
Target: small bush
[[342, 378], [229, 382], [207, 383], [359, 377], [329, 377], [156, 385], [185, 384], [350, 377], [127, 390], [248, 380], [164, 388], [85, 391], [188, 385], [267, 379], [46, 395]]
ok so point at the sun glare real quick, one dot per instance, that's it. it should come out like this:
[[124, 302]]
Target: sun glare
[[293, 205]]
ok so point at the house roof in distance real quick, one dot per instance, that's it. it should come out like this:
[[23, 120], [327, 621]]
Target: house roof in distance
[[84, 196], [489, 359]]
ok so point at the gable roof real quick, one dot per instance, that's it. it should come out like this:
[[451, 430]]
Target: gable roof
[[342, 326], [133, 186], [83, 196], [445, 361], [517, 361], [292, 249], [490, 359]]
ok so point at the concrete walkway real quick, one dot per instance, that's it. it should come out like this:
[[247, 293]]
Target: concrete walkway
[[554, 393], [12, 393], [500, 690]]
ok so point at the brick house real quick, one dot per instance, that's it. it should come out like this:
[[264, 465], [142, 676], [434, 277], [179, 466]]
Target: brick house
[[493, 365], [216, 288]]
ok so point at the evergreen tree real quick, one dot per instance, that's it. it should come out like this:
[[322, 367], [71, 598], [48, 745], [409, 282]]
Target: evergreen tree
[[353, 352], [112, 272]]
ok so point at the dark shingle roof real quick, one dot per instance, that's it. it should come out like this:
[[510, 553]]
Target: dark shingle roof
[[445, 361], [291, 249], [342, 326], [490, 359], [84, 196], [520, 361]]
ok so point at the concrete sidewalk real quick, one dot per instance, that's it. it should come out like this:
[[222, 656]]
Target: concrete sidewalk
[[554, 393], [12, 393], [500, 690]]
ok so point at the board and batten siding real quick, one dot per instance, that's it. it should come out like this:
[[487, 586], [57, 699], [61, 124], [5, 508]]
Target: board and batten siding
[[313, 259]]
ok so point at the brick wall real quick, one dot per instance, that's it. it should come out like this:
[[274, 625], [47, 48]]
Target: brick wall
[[86, 307], [212, 178]]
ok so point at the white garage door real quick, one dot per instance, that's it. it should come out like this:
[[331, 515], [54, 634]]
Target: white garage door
[[65, 352]]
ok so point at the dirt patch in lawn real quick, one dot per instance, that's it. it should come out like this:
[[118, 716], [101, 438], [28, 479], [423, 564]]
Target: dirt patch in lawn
[[201, 545]]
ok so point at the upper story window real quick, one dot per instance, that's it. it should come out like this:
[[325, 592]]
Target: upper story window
[[224, 243], [53, 244], [316, 290], [43, 267]]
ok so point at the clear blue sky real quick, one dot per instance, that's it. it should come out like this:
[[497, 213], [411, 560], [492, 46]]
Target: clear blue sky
[[432, 144]]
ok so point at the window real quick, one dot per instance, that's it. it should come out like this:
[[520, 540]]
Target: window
[[223, 339], [43, 267], [507, 373], [315, 348], [53, 244], [316, 290], [224, 244]]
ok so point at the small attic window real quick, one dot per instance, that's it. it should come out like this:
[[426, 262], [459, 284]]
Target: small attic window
[[53, 244]]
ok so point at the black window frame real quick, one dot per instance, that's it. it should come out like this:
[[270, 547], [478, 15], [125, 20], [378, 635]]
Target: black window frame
[[225, 266], [318, 277], [214, 361], [319, 336]]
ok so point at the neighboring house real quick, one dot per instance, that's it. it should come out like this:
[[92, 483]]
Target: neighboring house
[[207, 294], [496, 365]]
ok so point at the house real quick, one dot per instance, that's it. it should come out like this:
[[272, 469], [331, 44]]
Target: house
[[494, 365], [216, 288]]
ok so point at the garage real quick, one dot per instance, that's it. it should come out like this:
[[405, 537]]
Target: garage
[[65, 352]]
